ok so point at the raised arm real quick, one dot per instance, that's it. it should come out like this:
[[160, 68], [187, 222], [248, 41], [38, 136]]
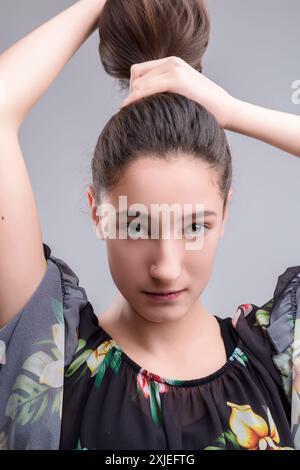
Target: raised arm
[[172, 74], [27, 69], [276, 128], [30, 65]]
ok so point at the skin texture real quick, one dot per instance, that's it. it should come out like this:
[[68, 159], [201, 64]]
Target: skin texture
[[164, 264]]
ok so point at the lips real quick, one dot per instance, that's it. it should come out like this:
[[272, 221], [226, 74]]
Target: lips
[[174, 295], [164, 292]]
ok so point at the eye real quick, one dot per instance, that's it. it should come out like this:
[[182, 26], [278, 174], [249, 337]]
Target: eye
[[134, 229], [196, 229]]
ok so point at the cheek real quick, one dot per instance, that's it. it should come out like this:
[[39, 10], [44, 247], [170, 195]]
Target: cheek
[[124, 262], [200, 264]]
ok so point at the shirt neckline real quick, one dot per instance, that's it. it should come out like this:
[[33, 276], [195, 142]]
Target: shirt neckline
[[230, 347]]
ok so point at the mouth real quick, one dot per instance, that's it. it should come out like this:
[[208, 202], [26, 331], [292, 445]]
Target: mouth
[[166, 295]]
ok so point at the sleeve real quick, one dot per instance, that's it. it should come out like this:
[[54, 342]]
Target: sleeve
[[35, 347], [275, 328]]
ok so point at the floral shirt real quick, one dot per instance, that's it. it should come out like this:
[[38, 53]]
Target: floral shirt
[[66, 384]]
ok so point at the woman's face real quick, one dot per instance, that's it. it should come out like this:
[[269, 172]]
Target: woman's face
[[154, 265]]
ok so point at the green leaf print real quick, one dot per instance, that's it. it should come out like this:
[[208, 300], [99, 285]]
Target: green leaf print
[[56, 405], [3, 441], [174, 381], [30, 397], [155, 403], [79, 446], [228, 436], [101, 372], [239, 356], [81, 344], [231, 437], [33, 401], [45, 341], [291, 322], [116, 361], [283, 362], [57, 308], [75, 365], [213, 448], [262, 318], [221, 440], [269, 305], [56, 352], [42, 409], [37, 362]]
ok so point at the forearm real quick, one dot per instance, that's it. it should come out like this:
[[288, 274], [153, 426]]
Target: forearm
[[277, 128], [30, 65]]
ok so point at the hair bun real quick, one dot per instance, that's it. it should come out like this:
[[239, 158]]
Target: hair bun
[[134, 31]]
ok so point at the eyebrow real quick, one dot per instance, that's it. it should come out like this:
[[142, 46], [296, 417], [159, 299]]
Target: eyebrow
[[194, 214]]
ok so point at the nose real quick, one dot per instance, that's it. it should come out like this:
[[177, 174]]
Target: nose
[[167, 264]]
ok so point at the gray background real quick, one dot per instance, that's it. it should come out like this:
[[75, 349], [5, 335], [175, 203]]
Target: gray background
[[254, 54]]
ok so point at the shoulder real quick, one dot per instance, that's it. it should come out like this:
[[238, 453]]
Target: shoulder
[[272, 332], [276, 318], [73, 301]]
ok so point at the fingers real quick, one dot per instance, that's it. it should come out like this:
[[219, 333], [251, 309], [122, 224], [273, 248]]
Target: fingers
[[159, 84], [154, 76], [139, 70], [146, 79]]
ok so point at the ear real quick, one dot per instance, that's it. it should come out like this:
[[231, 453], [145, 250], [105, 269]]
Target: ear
[[230, 195], [90, 196], [229, 198], [93, 208]]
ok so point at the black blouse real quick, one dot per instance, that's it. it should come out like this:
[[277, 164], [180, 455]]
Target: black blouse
[[110, 402], [66, 384]]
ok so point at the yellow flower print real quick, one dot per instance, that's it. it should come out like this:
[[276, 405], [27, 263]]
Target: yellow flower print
[[98, 355], [252, 431]]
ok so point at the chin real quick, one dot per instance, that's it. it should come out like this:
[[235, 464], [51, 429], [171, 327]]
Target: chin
[[162, 315]]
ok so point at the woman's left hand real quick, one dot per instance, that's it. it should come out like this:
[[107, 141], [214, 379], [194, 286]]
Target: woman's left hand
[[173, 74]]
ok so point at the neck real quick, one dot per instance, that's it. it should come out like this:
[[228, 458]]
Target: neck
[[157, 338]]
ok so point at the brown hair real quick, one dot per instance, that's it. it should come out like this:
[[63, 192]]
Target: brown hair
[[165, 123], [133, 31]]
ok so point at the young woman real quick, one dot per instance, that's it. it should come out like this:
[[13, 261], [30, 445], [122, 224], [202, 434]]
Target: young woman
[[71, 379]]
